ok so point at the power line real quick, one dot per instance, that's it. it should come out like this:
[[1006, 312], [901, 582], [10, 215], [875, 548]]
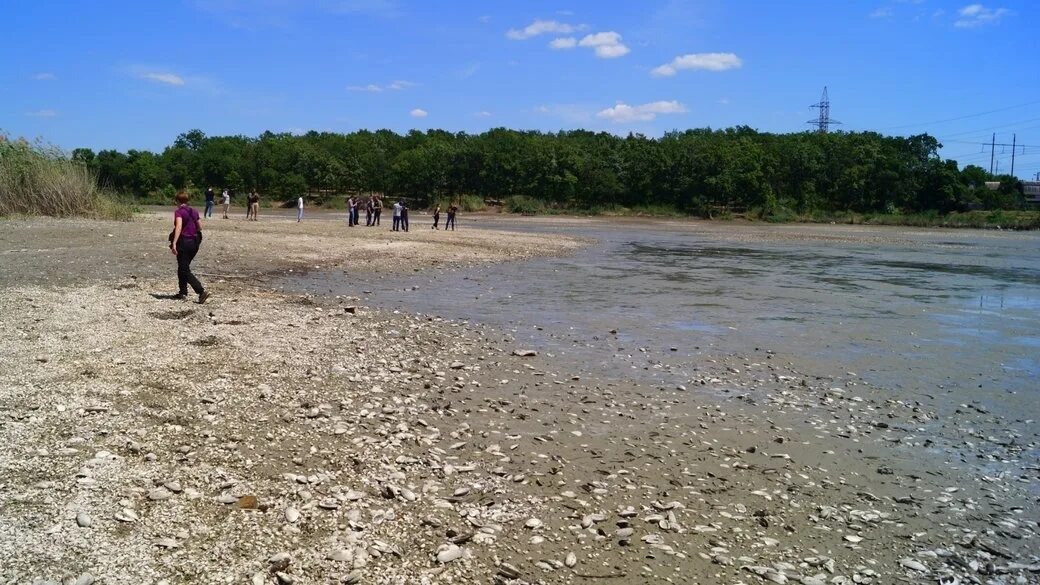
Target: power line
[[994, 127], [962, 117]]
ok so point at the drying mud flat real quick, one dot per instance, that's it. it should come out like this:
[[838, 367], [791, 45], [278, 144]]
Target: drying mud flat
[[272, 438]]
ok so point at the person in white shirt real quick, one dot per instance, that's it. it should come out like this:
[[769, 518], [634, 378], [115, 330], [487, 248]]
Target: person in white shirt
[[397, 216], [226, 201], [299, 209]]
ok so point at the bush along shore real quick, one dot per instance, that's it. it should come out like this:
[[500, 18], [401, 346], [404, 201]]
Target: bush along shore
[[37, 179]]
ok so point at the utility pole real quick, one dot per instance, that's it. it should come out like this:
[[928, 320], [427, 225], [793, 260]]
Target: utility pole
[[824, 121], [1013, 137], [992, 151]]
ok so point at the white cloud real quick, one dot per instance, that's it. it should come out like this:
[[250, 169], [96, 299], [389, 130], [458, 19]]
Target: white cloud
[[541, 27], [370, 87], [607, 44], [883, 12], [45, 77], [568, 113], [42, 114], [564, 43], [974, 15], [419, 113], [375, 88], [623, 112], [704, 61], [482, 114], [162, 77]]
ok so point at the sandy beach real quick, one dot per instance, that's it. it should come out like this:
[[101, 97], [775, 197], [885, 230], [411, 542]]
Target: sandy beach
[[273, 438]]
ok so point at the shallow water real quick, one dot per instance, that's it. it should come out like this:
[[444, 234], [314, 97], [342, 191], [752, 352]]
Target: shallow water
[[911, 310]]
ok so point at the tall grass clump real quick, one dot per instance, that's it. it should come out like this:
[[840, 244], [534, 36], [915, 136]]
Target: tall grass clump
[[38, 179], [524, 204]]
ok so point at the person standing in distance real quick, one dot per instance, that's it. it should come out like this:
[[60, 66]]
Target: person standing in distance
[[299, 209], [397, 216], [184, 244], [254, 205], [436, 217], [377, 209], [226, 201], [210, 201], [404, 215], [452, 210]]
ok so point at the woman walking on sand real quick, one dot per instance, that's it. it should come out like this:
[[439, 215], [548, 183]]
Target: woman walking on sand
[[184, 244], [436, 217]]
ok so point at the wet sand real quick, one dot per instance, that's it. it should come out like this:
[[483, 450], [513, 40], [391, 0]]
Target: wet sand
[[268, 437]]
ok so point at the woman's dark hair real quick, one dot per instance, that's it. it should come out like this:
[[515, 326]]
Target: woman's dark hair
[[181, 197]]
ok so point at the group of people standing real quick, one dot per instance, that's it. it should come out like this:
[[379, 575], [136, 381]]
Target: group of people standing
[[373, 211]]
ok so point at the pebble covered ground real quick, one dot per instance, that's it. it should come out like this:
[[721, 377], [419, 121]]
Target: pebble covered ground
[[270, 438]]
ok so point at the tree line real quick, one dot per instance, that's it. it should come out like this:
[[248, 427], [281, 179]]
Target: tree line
[[693, 171]]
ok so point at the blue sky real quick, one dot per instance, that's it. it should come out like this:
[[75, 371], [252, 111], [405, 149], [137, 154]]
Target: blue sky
[[123, 75]]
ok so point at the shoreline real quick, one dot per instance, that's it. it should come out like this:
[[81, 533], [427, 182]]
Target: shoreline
[[203, 441]]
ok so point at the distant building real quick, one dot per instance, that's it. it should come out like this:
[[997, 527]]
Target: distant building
[[1031, 190]]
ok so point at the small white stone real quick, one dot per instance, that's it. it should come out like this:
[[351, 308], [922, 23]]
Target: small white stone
[[448, 553]]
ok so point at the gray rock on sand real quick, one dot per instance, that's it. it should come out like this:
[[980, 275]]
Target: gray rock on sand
[[525, 352], [84, 520], [343, 555], [126, 515], [159, 494]]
